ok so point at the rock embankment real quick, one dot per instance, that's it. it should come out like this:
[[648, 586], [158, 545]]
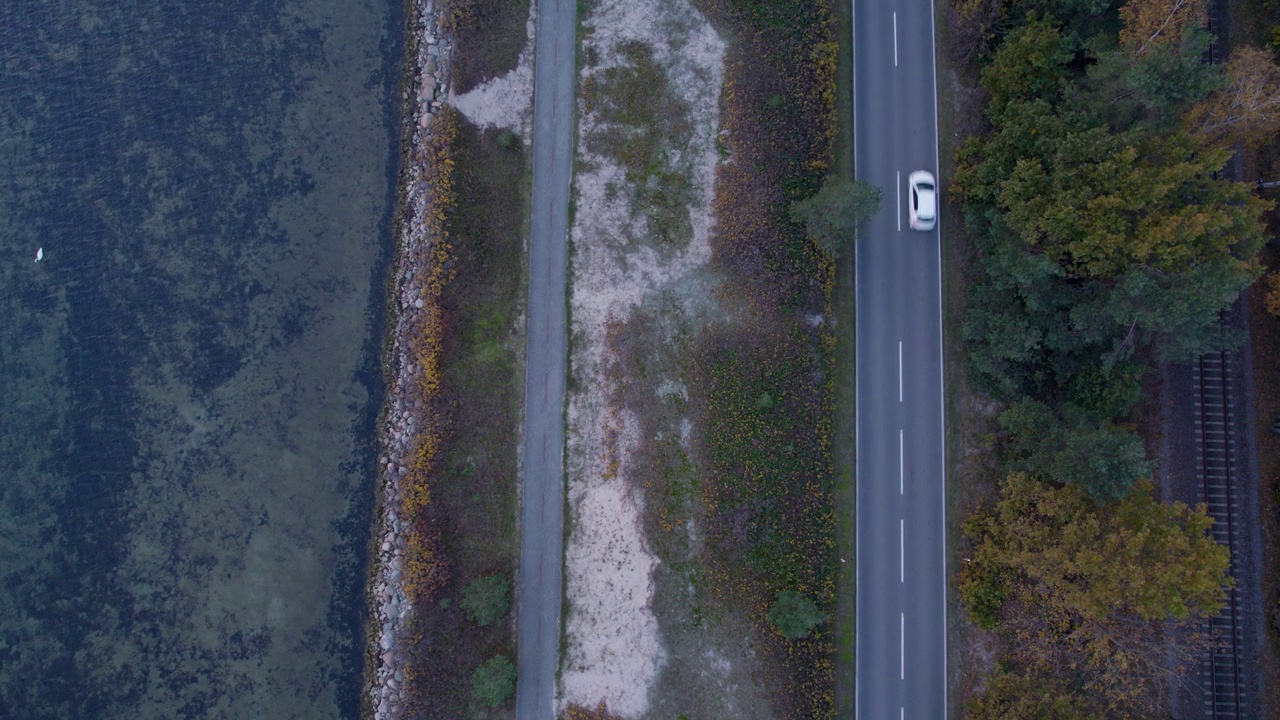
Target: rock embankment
[[425, 90]]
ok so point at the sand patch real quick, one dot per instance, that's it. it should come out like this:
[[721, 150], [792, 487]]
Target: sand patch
[[614, 651], [505, 102]]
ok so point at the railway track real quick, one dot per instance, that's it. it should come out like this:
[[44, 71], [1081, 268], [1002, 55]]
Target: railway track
[[1220, 672]]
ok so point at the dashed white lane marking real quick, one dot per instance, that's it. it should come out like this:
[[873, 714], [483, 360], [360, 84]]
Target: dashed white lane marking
[[895, 39], [902, 467], [902, 647]]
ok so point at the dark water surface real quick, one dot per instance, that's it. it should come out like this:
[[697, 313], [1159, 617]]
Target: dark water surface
[[188, 380]]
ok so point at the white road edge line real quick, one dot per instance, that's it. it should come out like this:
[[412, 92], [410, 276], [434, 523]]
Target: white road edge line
[[899, 371], [897, 188], [895, 39], [857, 421], [902, 465], [902, 550], [942, 375], [902, 647]]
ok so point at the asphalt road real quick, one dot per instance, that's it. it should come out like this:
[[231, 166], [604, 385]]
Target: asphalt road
[[902, 584], [542, 512]]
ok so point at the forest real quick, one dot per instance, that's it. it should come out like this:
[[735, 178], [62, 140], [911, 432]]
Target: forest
[[1107, 238]]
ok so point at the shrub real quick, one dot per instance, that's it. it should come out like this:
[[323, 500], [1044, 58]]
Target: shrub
[[507, 139], [493, 682], [487, 600], [794, 615], [1272, 299]]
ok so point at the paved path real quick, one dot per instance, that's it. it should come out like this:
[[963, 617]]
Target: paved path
[[901, 587], [542, 515]]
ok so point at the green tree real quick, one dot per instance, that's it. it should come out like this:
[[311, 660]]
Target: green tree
[[794, 615], [487, 600], [1105, 391], [1030, 63], [1100, 204], [493, 682], [833, 214], [1102, 460], [1157, 88]]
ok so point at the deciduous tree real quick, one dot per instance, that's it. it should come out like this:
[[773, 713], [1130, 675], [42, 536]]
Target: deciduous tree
[[1025, 696], [1248, 107], [1030, 63], [1088, 592], [1147, 23], [832, 216]]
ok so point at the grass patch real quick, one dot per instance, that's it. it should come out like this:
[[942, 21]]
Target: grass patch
[[844, 307], [762, 389], [488, 37], [473, 488], [643, 126]]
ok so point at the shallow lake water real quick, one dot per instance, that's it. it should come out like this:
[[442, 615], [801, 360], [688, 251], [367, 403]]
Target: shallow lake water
[[189, 376]]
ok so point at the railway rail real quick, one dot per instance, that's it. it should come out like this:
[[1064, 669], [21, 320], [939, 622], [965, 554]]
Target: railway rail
[[1220, 672]]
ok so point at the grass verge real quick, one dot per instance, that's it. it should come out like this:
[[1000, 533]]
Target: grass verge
[[473, 486], [1265, 337], [970, 476], [763, 389], [844, 451], [1251, 24]]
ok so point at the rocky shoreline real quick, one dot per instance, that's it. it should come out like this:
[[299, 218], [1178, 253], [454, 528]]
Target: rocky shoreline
[[425, 87]]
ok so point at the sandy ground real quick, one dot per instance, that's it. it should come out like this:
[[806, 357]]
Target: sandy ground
[[614, 651], [505, 102]]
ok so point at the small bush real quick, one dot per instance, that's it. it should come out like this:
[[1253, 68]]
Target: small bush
[[794, 615], [487, 600], [1272, 299], [493, 682]]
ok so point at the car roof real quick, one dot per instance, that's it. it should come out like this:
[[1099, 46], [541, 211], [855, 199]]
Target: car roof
[[926, 204], [924, 182]]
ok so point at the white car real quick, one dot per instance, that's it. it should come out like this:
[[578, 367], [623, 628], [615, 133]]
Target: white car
[[922, 206]]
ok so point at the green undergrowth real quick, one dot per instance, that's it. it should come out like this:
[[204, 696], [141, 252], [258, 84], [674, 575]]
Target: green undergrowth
[[761, 387], [473, 490]]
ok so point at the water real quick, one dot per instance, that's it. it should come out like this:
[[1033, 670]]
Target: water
[[189, 379]]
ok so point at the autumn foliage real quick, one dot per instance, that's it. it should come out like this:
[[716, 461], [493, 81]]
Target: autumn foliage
[[1153, 22], [1084, 589], [425, 567], [1248, 107], [1106, 235]]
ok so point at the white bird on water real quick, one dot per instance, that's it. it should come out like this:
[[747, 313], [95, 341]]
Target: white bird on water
[[39, 254]]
